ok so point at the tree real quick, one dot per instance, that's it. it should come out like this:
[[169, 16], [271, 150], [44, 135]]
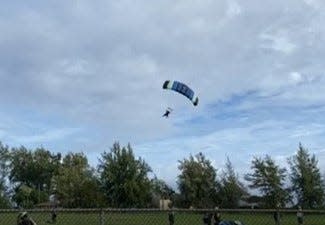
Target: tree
[[4, 170], [269, 179], [197, 182], [24, 196], [306, 179], [161, 189], [124, 178], [33, 169], [75, 184], [21, 171], [231, 189]]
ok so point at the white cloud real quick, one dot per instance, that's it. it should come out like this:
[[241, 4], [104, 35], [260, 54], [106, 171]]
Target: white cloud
[[317, 4], [75, 68], [279, 139], [278, 42], [234, 9], [295, 77], [302, 131], [100, 65], [45, 136]]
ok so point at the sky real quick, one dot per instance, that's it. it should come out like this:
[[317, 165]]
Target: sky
[[77, 76]]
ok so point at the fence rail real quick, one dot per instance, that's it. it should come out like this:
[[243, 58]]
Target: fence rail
[[163, 217]]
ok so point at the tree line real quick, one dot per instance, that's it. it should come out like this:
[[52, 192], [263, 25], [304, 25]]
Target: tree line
[[29, 177]]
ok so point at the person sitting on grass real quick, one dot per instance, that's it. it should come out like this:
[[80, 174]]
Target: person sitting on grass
[[230, 222], [24, 219]]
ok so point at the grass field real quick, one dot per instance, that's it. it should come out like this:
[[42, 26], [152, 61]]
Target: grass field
[[155, 218]]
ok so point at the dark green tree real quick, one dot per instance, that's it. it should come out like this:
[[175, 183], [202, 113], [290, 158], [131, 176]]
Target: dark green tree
[[24, 196], [76, 185], [197, 182], [4, 171], [161, 189], [21, 171], [231, 189], [269, 179], [307, 182], [33, 169], [124, 178]]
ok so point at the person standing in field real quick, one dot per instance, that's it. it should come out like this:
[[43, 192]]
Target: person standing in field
[[53, 216], [300, 216], [207, 218], [217, 216], [171, 217], [277, 216]]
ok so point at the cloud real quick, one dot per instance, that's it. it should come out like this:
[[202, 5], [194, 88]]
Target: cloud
[[278, 43], [47, 136], [279, 139], [296, 77], [99, 66], [317, 4]]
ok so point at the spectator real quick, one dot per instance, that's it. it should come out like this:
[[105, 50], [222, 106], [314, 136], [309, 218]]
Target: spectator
[[217, 216], [230, 222], [171, 217], [24, 219], [207, 218], [300, 216], [277, 216], [53, 216]]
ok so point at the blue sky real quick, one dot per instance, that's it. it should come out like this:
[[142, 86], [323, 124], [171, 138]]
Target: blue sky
[[80, 75]]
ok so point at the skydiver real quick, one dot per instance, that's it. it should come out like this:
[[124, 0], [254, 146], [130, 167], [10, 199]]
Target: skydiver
[[168, 111]]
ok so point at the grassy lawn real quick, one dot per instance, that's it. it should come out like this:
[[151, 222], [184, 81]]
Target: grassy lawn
[[155, 218]]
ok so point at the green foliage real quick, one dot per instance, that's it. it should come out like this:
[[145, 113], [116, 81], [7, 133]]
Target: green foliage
[[124, 178], [231, 190], [23, 196], [161, 189], [269, 179], [29, 177], [197, 182], [306, 179], [4, 170], [75, 184], [33, 169]]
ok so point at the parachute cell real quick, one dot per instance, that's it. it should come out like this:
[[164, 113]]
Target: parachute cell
[[182, 89]]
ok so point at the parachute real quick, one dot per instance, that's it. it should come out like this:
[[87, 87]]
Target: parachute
[[182, 89]]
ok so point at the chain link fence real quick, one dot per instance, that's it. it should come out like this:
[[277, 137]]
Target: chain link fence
[[163, 217]]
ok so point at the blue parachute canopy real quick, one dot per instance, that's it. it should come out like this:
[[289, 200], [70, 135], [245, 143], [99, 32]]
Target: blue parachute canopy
[[182, 89]]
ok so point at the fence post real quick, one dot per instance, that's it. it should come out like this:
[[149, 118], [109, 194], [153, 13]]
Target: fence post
[[101, 217]]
